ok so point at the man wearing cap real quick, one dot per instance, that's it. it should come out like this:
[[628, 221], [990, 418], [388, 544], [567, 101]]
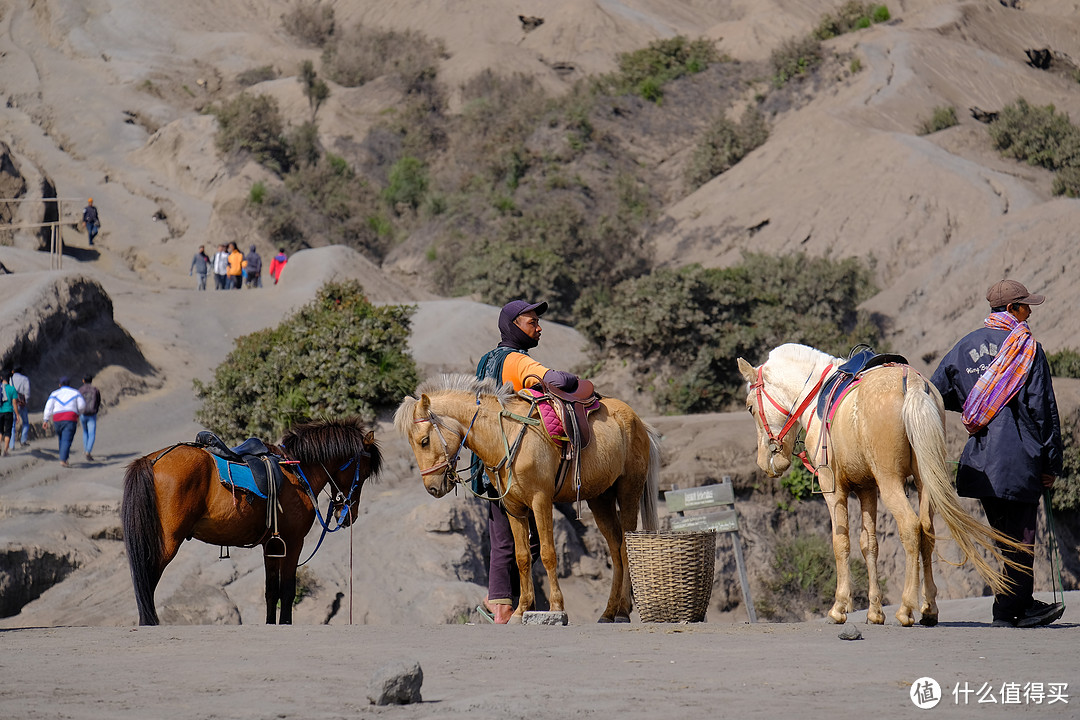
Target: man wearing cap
[[90, 219], [998, 377], [519, 329], [63, 408]]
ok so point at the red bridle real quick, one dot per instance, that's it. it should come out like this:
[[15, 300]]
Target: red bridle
[[791, 417]]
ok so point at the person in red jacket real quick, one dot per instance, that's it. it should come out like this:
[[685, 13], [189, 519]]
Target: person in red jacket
[[278, 264]]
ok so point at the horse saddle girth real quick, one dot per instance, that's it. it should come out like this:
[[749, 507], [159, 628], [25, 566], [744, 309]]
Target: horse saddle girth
[[249, 466]]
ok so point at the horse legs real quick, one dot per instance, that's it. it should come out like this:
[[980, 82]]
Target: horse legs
[[542, 512], [272, 566], [868, 543], [838, 509], [929, 611], [606, 517], [519, 526], [907, 523]]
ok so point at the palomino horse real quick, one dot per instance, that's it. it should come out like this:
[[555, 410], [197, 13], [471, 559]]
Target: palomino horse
[[176, 494], [619, 471], [888, 427]]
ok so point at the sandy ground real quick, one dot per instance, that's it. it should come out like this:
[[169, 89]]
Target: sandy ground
[[483, 671]]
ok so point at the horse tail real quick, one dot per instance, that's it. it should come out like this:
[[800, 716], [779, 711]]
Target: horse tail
[[142, 535], [926, 433], [650, 521]]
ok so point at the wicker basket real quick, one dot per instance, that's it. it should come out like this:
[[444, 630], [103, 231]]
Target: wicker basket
[[672, 574]]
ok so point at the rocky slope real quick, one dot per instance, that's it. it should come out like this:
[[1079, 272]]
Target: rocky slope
[[103, 101]]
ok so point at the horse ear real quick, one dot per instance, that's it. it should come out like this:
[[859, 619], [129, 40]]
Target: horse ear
[[425, 404], [369, 439], [747, 371]]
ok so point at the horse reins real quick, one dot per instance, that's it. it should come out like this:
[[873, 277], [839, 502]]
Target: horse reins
[[449, 465], [791, 416]]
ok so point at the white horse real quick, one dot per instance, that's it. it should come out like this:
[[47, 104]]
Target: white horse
[[889, 426]]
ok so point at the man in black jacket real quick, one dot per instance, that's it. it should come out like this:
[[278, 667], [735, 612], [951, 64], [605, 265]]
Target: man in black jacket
[[999, 378]]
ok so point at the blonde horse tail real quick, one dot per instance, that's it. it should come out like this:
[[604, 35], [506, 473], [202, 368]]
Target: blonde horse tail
[[650, 521], [922, 421]]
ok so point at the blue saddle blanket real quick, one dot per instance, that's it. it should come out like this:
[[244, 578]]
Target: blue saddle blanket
[[237, 476]]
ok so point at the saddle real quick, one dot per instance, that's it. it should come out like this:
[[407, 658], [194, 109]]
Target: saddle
[[572, 408], [842, 381], [260, 473], [255, 457]]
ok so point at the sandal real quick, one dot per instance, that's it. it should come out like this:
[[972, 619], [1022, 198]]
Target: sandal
[[485, 614]]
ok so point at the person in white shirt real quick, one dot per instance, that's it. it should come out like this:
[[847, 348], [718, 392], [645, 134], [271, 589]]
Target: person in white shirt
[[63, 409]]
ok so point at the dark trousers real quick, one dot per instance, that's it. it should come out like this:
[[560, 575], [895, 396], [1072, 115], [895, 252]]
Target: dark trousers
[[65, 433], [503, 578], [1017, 520]]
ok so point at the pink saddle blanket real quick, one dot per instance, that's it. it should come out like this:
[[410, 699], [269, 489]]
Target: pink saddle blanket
[[551, 415]]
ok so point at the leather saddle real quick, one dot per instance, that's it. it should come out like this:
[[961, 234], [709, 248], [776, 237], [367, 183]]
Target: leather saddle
[[259, 459], [575, 410]]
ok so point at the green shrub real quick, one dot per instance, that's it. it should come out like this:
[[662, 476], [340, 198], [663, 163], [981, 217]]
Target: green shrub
[[1067, 181], [254, 76], [644, 72], [802, 581], [310, 22], [944, 116], [850, 16], [408, 183], [725, 143], [692, 324], [1037, 135], [338, 355], [258, 192], [1065, 363], [794, 58], [1066, 491], [799, 482], [252, 123], [315, 88]]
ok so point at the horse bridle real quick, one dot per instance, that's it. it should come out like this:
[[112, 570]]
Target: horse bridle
[[449, 464], [791, 415]]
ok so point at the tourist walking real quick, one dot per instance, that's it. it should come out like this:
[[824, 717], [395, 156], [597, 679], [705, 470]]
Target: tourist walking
[[63, 408], [91, 220], [200, 264], [92, 399]]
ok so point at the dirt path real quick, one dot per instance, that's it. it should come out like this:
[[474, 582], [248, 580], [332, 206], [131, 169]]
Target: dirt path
[[630, 671]]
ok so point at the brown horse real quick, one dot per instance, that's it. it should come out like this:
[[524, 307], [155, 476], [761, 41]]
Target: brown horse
[[619, 471], [176, 494], [890, 426]]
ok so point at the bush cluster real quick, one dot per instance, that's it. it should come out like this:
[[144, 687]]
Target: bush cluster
[[802, 582], [644, 72], [723, 144], [360, 54], [1064, 363], [944, 116], [310, 22], [338, 355], [252, 123], [1040, 136], [692, 324], [853, 15], [795, 58]]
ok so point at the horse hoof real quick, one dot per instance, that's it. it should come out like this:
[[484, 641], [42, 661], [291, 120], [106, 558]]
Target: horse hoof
[[837, 617], [905, 620], [928, 620], [622, 618], [605, 620]]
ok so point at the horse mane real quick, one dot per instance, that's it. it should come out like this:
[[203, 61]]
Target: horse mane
[[800, 354], [449, 383], [324, 441]]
